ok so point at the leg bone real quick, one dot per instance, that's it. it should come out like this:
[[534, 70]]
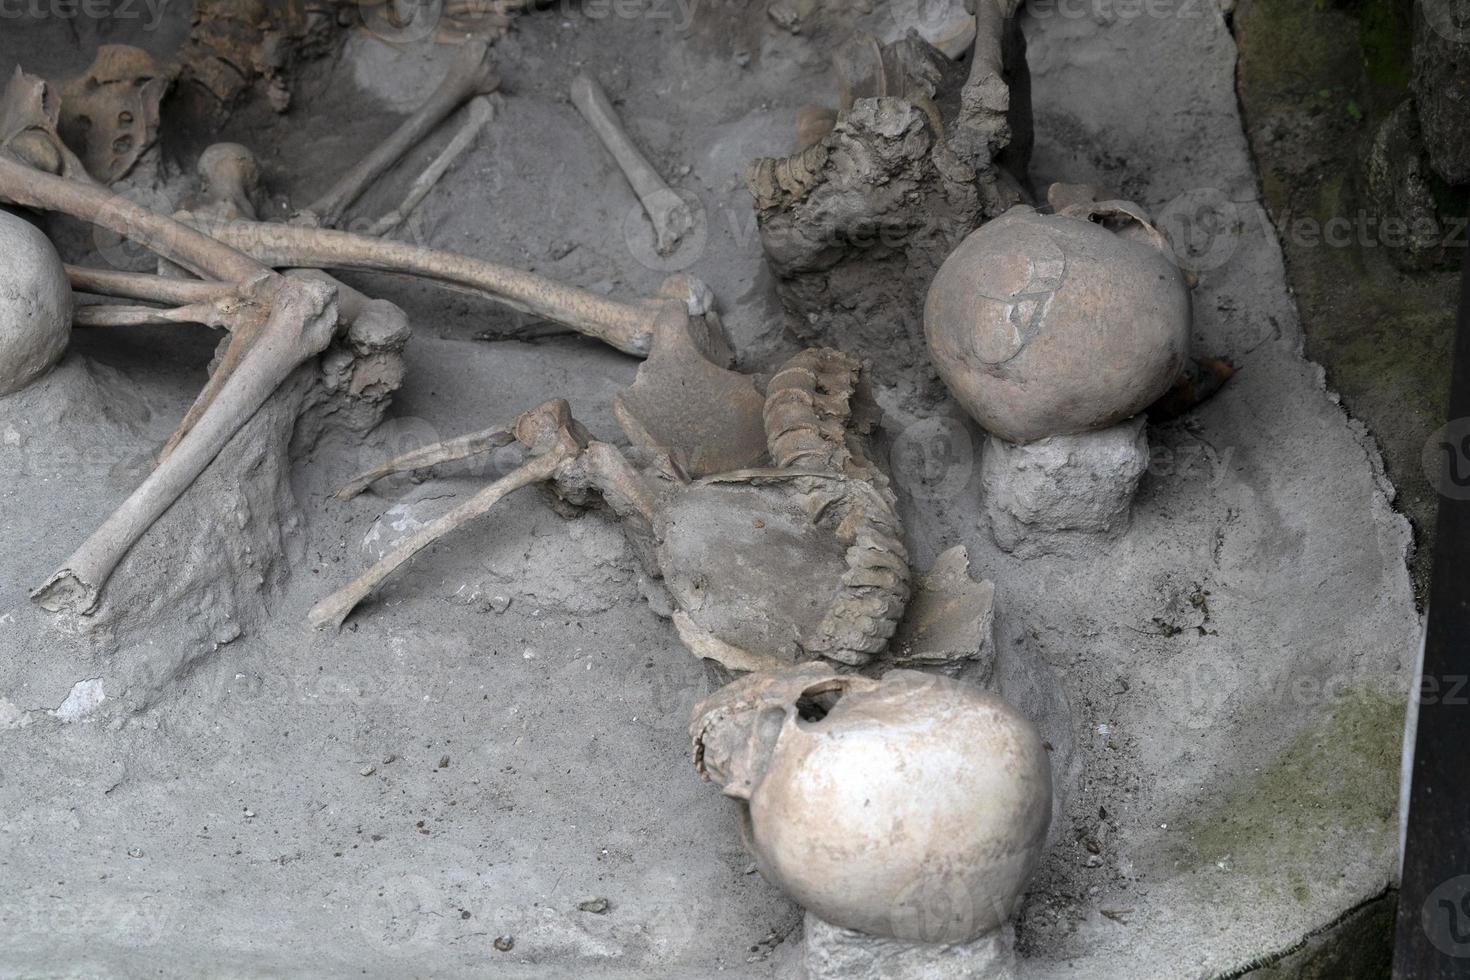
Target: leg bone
[[668, 212], [469, 75], [550, 433]]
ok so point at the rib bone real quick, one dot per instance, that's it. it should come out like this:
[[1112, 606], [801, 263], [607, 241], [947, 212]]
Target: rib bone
[[671, 217]]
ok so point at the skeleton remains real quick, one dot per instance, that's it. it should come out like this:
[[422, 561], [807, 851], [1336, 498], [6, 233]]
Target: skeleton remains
[[759, 503]]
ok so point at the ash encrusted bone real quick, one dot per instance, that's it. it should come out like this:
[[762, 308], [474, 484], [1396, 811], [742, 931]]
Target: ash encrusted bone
[[855, 225], [731, 546]]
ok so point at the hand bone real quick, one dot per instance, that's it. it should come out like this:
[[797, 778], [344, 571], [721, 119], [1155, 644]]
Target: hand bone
[[671, 217]]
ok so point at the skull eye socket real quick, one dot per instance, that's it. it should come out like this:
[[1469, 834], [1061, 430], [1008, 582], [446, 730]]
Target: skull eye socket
[[818, 700]]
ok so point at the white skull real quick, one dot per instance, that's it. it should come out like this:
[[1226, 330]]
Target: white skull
[[914, 806]]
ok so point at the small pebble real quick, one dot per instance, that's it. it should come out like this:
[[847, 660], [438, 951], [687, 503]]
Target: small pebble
[[597, 906], [367, 770], [135, 852], [444, 762], [505, 943], [249, 813], [499, 603]]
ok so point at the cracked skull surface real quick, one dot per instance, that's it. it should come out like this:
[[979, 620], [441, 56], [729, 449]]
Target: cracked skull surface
[[1055, 324], [913, 807]]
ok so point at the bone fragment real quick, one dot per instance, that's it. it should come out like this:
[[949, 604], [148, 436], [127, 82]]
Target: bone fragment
[[301, 320], [460, 447], [470, 75], [553, 437], [481, 111], [627, 326], [301, 323], [231, 178], [671, 217], [137, 285]]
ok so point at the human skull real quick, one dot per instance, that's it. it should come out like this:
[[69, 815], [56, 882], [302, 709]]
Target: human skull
[[35, 304], [913, 807], [1055, 324]]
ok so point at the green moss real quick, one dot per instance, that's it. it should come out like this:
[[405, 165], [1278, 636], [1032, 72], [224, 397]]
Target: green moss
[[1385, 35], [1339, 777]]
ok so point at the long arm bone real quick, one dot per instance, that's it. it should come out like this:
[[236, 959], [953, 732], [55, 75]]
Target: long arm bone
[[480, 112], [460, 447], [671, 217], [139, 285], [299, 323], [554, 438], [469, 75], [627, 326]]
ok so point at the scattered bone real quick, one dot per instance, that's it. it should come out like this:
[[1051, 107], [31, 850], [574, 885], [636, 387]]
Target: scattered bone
[[295, 321], [855, 226], [681, 401], [707, 417], [813, 123], [230, 177], [950, 622], [137, 285], [553, 438], [729, 546], [111, 113], [236, 46], [627, 326], [461, 447], [671, 217], [470, 75], [30, 111], [480, 111]]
